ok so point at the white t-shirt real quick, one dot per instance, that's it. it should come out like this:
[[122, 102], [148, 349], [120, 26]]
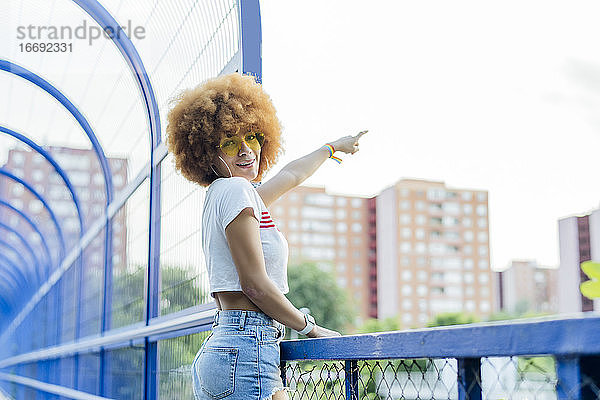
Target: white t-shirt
[[225, 199]]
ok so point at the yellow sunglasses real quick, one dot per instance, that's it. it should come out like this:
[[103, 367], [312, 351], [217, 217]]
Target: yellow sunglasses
[[232, 145]]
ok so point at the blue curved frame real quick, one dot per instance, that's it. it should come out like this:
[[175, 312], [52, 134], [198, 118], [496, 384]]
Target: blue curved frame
[[18, 275], [28, 247], [108, 23], [7, 287], [20, 284], [54, 164], [40, 198], [22, 260], [31, 224], [108, 185]]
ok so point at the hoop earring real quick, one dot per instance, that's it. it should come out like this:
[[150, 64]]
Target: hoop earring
[[227, 166], [213, 170]]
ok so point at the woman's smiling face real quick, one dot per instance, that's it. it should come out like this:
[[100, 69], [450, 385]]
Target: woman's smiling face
[[238, 155]]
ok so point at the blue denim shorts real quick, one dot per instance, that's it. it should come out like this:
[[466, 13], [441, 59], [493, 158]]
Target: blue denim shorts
[[240, 358]]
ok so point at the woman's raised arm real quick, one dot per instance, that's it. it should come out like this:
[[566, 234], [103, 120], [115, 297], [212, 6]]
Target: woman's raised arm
[[297, 171]]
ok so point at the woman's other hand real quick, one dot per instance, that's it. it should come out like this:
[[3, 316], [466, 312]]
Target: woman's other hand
[[347, 144], [319, 331]]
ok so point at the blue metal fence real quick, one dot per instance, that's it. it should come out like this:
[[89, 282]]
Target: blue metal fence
[[463, 362]]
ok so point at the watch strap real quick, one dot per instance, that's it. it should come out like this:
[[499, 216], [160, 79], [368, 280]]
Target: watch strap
[[310, 324]]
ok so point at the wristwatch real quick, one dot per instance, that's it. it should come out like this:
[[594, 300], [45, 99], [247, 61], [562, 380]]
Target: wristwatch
[[310, 324]]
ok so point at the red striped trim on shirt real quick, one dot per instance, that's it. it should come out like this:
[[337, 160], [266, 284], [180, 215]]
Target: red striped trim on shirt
[[266, 221]]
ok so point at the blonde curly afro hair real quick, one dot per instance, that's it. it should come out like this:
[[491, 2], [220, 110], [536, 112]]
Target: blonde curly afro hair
[[226, 104]]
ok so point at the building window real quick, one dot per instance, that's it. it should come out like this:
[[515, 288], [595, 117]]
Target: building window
[[405, 205], [467, 209], [406, 318], [420, 205], [356, 203], [357, 269], [484, 278], [483, 251], [405, 219], [342, 227], [468, 236], [342, 241], [356, 227], [405, 261], [481, 210], [406, 290], [406, 233], [468, 277], [340, 214], [421, 219], [467, 196], [467, 222], [405, 247], [420, 233], [421, 290], [451, 208], [319, 199], [436, 194], [340, 201], [421, 247], [357, 281], [407, 304], [470, 305], [468, 263], [484, 306], [482, 237], [482, 222], [406, 275], [422, 276], [421, 261], [342, 281], [404, 192], [481, 196]]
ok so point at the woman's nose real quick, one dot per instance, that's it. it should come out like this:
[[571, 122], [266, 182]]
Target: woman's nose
[[244, 148]]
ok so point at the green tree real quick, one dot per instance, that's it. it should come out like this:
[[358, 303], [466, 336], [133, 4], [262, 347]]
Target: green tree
[[373, 325], [456, 318], [316, 289]]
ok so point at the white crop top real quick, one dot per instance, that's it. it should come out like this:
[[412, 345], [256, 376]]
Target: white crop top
[[225, 199]]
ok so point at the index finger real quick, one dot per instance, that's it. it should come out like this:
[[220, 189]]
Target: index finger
[[361, 133]]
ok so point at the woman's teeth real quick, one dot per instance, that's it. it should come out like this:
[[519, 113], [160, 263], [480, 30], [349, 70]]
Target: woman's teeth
[[245, 165]]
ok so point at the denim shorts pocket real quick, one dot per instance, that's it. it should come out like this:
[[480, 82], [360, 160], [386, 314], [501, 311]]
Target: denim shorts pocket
[[218, 371], [270, 334]]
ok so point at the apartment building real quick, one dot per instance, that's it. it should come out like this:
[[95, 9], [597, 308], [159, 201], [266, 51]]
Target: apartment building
[[432, 251], [527, 286], [334, 232], [579, 241]]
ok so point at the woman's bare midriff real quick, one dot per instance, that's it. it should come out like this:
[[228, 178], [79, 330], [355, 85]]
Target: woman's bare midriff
[[234, 301]]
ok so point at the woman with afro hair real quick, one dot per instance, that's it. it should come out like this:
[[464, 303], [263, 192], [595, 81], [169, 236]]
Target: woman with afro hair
[[225, 134]]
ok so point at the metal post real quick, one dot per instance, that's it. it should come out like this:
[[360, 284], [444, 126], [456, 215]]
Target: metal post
[[469, 378], [569, 377], [282, 369], [351, 372]]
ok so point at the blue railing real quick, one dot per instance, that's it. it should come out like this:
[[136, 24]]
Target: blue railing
[[492, 360]]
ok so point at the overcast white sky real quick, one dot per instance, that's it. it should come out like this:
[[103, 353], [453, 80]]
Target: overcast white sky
[[500, 96]]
